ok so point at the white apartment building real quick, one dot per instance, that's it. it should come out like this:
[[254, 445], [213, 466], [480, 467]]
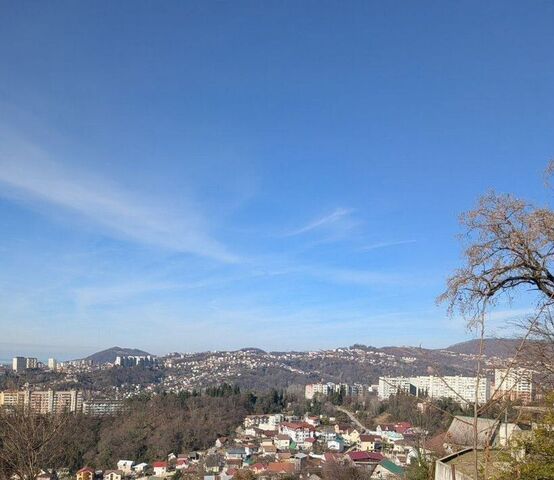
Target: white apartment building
[[12, 398], [52, 364], [31, 363], [461, 389], [45, 401], [298, 432], [514, 384], [313, 389], [265, 421], [389, 386], [101, 407]]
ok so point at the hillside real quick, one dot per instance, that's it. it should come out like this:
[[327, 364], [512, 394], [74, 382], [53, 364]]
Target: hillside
[[493, 347], [109, 355]]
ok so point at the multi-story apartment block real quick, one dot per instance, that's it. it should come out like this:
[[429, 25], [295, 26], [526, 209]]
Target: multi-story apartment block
[[514, 384], [31, 363], [135, 360], [45, 401], [52, 364], [100, 407], [311, 390], [19, 364], [12, 398], [264, 422], [461, 389], [389, 386], [297, 431]]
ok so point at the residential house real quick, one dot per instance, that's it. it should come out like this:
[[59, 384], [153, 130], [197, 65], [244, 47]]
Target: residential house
[[370, 443], [336, 444], [233, 463], [257, 468], [365, 458], [351, 435], [297, 431], [326, 434], [403, 427], [113, 475], [266, 442], [280, 468], [282, 441], [140, 468], [86, 473], [126, 466], [213, 464], [253, 432], [341, 428], [388, 469], [461, 432], [508, 432], [238, 453], [160, 468], [461, 465], [264, 422], [47, 475], [251, 449], [221, 442], [300, 460], [308, 444], [312, 420]]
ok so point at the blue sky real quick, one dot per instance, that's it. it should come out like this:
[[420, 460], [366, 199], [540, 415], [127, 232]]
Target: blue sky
[[288, 175]]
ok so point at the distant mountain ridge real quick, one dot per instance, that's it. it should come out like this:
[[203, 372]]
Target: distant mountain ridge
[[492, 347], [109, 355]]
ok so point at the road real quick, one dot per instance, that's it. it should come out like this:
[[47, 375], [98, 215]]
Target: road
[[353, 418]]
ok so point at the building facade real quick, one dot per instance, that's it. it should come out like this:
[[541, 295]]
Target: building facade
[[514, 384], [102, 407], [461, 389], [44, 401], [19, 364]]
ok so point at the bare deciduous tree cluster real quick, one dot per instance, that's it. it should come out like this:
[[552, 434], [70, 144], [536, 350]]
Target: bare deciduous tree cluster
[[29, 442]]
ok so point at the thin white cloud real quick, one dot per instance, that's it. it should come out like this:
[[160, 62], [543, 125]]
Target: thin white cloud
[[336, 216], [499, 316], [365, 278], [375, 246], [28, 174]]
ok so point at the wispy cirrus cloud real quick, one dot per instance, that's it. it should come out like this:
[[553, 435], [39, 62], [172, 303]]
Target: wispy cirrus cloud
[[30, 176], [367, 278], [377, 245], [338, 215]]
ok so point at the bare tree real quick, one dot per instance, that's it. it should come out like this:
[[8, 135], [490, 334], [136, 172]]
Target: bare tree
[[29, 442], [509, 249], [344, 470]]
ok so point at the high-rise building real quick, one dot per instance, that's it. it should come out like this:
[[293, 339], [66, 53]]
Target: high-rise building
[[135, 360], [44, 401], [12, 398], [101, 407], [19, 364], [514, 384], [326, 389], [461, 389], [52, 364], [31, 363], [389, 386]]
